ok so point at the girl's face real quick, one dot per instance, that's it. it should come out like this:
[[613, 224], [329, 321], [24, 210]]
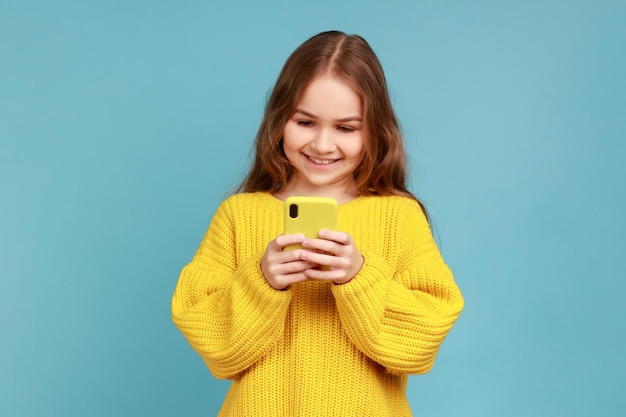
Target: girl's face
[[324, 139]]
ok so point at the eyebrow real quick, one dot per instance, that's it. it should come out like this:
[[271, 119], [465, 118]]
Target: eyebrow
[[345, 119]]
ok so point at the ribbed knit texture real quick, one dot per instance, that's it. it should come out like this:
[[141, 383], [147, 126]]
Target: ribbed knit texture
[[317, 349]]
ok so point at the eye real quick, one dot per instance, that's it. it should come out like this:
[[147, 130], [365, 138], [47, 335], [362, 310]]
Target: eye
[[346, 129], [305, 123]]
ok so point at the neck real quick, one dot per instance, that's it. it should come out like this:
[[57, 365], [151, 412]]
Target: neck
[[341, 195]]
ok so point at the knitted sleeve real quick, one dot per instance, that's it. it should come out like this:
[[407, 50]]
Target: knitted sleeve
[[400, 316], [227, 312]]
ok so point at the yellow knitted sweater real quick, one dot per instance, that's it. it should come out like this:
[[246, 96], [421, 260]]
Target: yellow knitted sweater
[[317, 349]]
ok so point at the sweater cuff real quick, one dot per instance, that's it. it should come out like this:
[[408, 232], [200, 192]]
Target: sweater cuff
[[251, 285], [370, 286]]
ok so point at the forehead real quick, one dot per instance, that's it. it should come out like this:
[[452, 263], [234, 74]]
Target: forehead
[[330, 95]]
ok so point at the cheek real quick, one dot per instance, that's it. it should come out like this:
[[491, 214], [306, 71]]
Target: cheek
[[290, 136], [291, 143], [357, 148], [287, 139]]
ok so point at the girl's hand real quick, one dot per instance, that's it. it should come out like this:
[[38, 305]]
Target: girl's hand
[[336, 251], [283, 268]]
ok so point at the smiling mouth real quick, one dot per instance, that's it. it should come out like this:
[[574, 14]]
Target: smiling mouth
[[321, 161]]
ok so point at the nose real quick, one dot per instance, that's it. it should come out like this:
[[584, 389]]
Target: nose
[[323, 141]]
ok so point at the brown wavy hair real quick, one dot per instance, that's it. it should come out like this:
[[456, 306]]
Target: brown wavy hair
[[383, 170]]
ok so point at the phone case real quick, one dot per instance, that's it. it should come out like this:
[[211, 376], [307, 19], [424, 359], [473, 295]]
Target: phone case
[[308, 215]]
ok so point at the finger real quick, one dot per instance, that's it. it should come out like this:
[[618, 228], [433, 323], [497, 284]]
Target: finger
[[285, 240], [336, 236], [323, 274], [284, 281], [294, 267], [319, 258], [320, 245], [293, 278], [281, 275], [290, 256]]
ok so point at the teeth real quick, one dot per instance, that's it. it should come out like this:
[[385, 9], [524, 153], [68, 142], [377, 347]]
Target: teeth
[[322, 161]]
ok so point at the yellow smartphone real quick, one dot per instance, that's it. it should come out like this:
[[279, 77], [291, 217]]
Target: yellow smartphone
[[308, 215]]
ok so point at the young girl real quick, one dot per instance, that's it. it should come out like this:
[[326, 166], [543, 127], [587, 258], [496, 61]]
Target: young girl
[[297, 339]]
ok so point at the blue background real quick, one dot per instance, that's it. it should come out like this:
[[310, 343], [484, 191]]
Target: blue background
[[123, 124]]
